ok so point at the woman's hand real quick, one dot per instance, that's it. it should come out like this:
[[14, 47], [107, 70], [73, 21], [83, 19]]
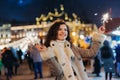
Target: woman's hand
[[101, 29], [41, 47]]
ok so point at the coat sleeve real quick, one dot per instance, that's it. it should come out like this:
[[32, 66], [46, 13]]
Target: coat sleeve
[[49, 53], [84, 53], [92, 51]]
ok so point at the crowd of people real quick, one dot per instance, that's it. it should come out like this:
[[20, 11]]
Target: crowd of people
[[10, 60], [63, 58], [109, 59]]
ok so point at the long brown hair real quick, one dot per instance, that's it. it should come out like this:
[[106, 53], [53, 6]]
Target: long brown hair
[[53, 31]]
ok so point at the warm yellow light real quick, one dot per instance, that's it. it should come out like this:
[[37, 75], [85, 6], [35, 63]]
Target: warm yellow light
[[61, 7], [82, 37], [73, 33]]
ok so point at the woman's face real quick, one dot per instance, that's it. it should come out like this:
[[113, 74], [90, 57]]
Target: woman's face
[[62, 32]]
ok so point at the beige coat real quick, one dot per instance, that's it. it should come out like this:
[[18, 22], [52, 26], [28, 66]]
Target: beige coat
[[64, 57], [80, 53], [58, 50], [84, 53]]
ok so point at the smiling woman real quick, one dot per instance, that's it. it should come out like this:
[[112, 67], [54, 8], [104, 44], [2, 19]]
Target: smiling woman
[[63, 58]]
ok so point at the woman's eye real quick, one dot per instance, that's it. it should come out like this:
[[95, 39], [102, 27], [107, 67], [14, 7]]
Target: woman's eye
[[65, 29]]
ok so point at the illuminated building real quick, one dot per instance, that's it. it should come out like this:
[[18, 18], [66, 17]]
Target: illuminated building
[[43, 23], [5, 34]]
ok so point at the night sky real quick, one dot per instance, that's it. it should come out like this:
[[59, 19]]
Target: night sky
[[25, 11]]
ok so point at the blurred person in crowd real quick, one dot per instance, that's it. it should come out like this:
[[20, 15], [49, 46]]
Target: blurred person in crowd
[[16, 63], [108, 59], [37, 61], [20, 53], [117, 51], [29, 59], [64, 57], [97, 65], [8, 61], [1, 64]]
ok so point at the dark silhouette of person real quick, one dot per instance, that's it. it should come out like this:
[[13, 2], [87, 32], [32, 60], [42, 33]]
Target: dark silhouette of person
[[108, 59], [29, 60], [117, 50], [97, 65], [8, 61], [20, 53], [16, 63]]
